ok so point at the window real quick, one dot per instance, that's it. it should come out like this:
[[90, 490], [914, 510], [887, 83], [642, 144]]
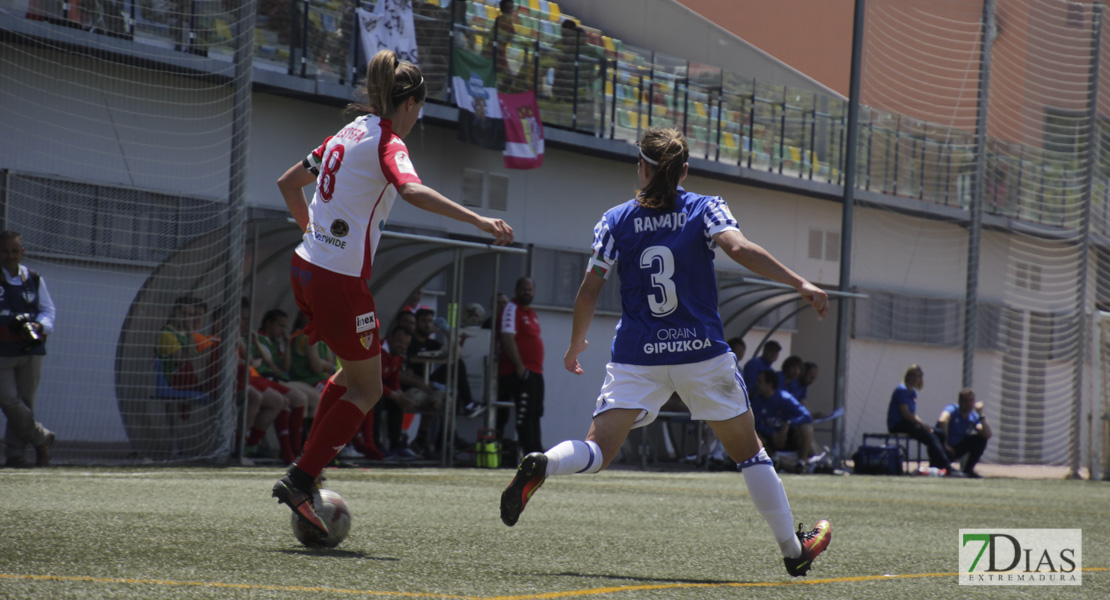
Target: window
[[908, 318], [824, 245], [557, 275], [70, 218]]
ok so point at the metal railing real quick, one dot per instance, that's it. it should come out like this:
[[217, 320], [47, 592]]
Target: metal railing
[[590, 83]]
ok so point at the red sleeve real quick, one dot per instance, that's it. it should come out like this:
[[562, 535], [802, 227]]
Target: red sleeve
[[396, 165]]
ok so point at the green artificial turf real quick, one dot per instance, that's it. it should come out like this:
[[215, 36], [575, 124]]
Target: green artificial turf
[[176, 533]]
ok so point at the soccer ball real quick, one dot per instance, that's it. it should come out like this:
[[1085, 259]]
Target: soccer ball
[[333, 511]]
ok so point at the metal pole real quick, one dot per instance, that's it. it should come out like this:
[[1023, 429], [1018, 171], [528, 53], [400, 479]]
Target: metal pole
[[844, 309], [1085, 241], [493, 361], [975, 208], [452, 378], [237, 171], [574, 83]]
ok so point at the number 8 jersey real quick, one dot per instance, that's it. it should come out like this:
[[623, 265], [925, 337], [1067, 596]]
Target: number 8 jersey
[[360, 170], [668, 285]]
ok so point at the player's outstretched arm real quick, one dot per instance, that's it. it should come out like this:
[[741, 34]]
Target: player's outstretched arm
[[585, 303], [292, 184], [425, 198], [753, 256]]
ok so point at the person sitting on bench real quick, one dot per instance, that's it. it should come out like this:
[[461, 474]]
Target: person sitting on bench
[[901, 417]]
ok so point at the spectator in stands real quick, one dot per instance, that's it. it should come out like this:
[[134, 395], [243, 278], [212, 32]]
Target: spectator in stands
[[475, 315], [809, 375], [738, 348], [962, 429], [790, 377], [521, 373], [176, 345], [310, 366], [415, 302], [761, 363], [404, 319], [567, 49], [270, 344], [395, 402], [512, 76], [330, 267], [28, 319], [782, 422], [901, 416], [264, 399], [424, 345], [494, 320]]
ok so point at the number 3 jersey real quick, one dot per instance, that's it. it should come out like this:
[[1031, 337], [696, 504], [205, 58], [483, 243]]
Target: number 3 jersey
[[360, 170], [668, 286]]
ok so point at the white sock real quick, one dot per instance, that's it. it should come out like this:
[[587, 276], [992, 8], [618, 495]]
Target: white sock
[[769, 497], [573, 456]]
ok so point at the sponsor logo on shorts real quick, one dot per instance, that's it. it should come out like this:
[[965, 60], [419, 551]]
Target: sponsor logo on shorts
[[365, 322], [367, 340], [302, 275], [340, 228]]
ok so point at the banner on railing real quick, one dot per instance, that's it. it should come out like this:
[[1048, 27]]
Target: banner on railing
[[389, 27], [475, 88], [523, 130]]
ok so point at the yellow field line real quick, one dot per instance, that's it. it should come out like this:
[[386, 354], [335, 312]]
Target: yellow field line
[[542, 596]]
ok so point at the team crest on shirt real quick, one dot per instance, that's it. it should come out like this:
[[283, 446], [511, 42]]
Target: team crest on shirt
[[404, 165], [340, 228], [367, 340]]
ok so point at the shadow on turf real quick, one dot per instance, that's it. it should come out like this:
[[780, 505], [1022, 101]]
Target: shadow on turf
[[644, 579], [335, 553]]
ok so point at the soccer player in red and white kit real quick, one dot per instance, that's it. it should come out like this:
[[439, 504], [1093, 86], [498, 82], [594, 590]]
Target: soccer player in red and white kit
[[358, 172]]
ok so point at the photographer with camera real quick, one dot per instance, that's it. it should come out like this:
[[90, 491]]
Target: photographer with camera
[[26, 319]]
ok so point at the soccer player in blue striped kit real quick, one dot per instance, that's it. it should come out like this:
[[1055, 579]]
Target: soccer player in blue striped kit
[[670, 339]]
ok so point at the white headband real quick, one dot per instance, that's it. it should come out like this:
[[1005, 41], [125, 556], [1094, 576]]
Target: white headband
[[649, 161]]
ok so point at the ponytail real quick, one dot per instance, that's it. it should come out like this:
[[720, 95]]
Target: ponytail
[[389, 81], [666, 152]]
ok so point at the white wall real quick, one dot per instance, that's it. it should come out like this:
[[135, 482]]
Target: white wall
[[130, 128]]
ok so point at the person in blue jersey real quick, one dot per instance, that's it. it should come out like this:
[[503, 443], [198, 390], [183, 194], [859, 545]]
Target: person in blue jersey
[[901, 416], [790, 378], [761, 362], [962, 429], [782, 422], [670, 339]]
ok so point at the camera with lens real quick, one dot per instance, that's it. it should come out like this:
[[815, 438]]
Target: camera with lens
[[23, 324]]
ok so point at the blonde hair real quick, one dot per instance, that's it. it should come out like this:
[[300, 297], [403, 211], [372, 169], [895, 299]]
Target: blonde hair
[[389, 81], [666, 152]]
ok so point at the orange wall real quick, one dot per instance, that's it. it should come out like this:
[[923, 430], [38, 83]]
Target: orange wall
[[921, 57], [813, 36]]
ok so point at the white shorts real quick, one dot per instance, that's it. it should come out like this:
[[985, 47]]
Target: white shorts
[[712, 389]]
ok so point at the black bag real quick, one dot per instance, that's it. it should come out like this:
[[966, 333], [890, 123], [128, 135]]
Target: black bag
[[878, 460]]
